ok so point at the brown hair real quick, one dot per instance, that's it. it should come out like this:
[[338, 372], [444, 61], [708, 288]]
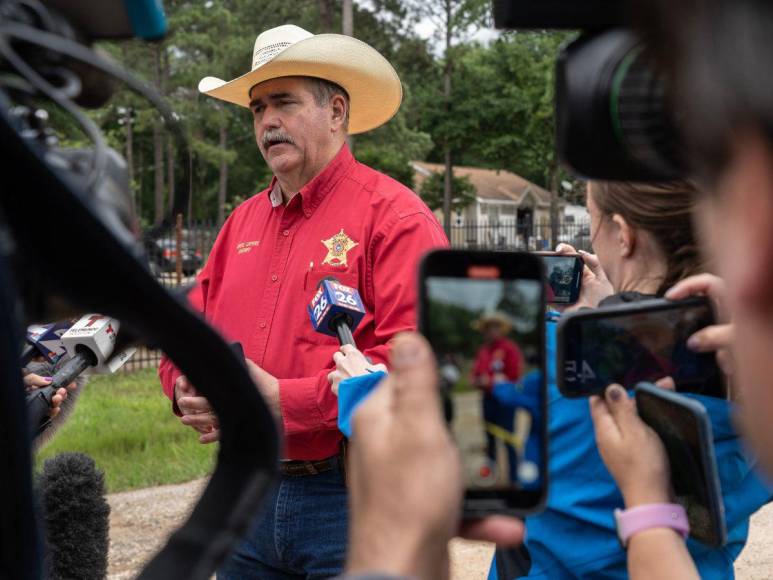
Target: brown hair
[[664, 210]]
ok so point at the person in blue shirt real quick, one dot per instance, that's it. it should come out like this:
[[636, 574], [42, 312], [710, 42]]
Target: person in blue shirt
[[644, 243]]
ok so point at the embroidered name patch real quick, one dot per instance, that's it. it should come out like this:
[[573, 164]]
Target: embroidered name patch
[[245, 247]]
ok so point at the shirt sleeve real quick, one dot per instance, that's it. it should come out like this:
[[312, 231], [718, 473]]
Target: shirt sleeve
[[308, 403], [167, 371]]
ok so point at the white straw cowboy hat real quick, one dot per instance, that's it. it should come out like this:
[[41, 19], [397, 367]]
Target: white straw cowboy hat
[[374, 88]]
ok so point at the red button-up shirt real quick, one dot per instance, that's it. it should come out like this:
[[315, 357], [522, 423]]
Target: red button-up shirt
[[351, 222], [500, 360]]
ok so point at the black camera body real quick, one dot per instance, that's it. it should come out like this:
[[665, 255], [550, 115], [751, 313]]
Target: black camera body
[[613, 117]]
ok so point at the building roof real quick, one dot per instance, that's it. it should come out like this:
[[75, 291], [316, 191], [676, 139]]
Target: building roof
[[490, 184]]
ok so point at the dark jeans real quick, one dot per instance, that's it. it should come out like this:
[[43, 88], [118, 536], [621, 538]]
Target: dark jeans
[[299, 534], [503, 416]]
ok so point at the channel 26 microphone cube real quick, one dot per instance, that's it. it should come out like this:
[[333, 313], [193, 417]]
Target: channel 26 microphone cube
[[336, 310]]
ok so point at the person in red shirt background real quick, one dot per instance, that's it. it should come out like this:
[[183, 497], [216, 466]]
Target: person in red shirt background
[[498, 360], [324, 214]]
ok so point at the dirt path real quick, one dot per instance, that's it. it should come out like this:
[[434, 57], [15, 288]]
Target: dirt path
[[141, 520]]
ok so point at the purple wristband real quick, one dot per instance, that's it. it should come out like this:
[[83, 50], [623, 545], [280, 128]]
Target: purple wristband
[[645, 517]]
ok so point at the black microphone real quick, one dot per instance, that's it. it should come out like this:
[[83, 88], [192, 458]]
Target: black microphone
[[75, 516], [336, 310], [39, 401]]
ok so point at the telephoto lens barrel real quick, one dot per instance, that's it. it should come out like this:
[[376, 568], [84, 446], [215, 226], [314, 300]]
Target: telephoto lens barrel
[[613, 117]]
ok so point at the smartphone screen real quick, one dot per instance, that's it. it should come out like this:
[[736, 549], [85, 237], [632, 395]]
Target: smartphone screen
[[644, 341], [684, 427], [563, 275], [483, 314]]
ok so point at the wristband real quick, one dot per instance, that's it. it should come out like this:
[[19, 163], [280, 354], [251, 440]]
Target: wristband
[[645, 517]]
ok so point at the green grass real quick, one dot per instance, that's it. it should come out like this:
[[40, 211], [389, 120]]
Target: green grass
[[125, 423]]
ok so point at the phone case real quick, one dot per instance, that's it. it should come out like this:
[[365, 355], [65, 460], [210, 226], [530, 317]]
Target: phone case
[[567, 320], [707, 457], [518, 265]]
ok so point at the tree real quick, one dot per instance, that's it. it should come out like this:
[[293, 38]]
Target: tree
[[454, 20], [433, 191]]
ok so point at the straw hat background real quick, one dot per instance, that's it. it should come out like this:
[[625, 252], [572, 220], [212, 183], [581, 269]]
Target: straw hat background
[[375, 92], [495, 317]]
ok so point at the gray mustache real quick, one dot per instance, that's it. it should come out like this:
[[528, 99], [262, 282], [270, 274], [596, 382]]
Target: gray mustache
[[272, 137]]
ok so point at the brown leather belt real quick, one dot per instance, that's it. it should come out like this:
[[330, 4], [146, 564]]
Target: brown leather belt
[[303, 468]]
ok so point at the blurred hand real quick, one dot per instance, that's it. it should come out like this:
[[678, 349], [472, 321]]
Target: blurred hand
[[33, 382], [196, 411], [350, 362], [633, 453], [406, 481], [717, 338], [595, 285]]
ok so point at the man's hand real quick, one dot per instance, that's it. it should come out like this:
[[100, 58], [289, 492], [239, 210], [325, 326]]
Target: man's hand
[[196, 411], [350, 362], [631, 450], [268, 385], [405, 473]]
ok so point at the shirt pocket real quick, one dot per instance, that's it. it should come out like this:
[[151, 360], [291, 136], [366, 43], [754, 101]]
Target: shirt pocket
[[310, 284]]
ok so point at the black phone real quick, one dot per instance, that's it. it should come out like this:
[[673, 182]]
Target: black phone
[[484, 315], [684, 427], [563, 276], [640, 341]]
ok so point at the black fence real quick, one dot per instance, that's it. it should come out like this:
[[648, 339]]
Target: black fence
[[177, 258]]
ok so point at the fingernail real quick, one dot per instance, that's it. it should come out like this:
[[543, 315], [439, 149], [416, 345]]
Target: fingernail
[[669, 292], [693, 342], [49, 379], [615, 393]]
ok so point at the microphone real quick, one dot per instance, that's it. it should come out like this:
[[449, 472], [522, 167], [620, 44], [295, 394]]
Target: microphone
[[75, 516], [336, 310], [45, 340], [90, 343]]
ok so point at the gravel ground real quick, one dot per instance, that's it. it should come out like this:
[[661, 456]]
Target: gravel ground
[[141, 520]]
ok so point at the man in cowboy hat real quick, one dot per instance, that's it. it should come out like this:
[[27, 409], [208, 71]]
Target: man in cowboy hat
[[323, 215], [498, 360]]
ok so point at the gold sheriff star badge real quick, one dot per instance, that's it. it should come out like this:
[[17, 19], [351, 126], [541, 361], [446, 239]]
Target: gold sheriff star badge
[[337, 248]]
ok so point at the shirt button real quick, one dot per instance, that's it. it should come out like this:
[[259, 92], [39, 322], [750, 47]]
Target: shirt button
[[274, 277], [307, 213], [286, 233], [262, 325]]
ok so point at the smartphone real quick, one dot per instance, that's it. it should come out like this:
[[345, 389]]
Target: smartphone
[[641, 341], [685, 429], [563, 275], [483, 313]]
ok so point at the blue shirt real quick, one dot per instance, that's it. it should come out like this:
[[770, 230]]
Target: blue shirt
[[575, 536]]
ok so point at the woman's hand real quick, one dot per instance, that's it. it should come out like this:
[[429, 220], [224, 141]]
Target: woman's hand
[[595, 285], [717, 338], [633, 453], [350, 362], [33, 382]]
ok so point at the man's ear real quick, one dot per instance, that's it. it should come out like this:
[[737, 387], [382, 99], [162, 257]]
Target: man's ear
[[625, 235], [338, 113], [746, 203]]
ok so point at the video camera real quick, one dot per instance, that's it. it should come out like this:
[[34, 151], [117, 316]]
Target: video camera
[[55, 198], [614, 119]]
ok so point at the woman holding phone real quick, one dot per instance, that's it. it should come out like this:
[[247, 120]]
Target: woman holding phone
[[644, 243]]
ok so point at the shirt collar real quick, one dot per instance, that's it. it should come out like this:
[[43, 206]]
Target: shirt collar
[[315, 190]]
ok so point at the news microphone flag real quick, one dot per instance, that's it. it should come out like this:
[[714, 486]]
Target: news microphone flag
[[47, 339], [336, 310]]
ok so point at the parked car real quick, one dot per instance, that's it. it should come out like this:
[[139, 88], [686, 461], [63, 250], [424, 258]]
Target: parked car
[[162, 256]]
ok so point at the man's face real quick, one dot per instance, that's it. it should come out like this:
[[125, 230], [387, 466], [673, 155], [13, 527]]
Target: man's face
[[291, 130], [737, 227]]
